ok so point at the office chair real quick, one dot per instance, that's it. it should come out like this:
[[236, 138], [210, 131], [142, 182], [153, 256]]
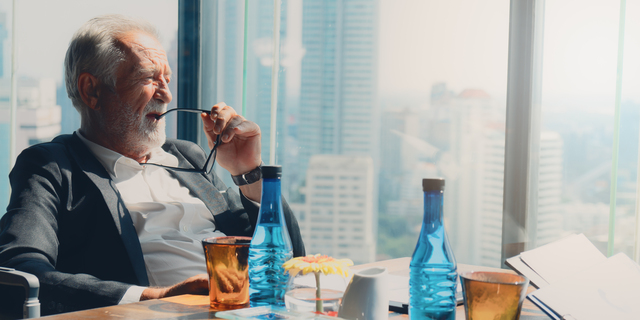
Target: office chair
[[31, 285]]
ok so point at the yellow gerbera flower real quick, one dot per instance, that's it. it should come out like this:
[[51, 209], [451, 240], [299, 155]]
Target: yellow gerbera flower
[[318, 263]]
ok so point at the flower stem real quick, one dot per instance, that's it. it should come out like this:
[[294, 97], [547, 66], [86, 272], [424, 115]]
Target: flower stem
[[319, 307]]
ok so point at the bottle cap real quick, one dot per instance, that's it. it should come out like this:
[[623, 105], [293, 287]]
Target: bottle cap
[[271, 172], [432, 184]]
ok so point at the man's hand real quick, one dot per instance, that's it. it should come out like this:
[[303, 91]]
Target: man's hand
[[198, 284], [239, 151]]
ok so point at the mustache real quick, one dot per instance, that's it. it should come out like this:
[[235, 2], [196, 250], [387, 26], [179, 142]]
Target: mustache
[[155, 106]]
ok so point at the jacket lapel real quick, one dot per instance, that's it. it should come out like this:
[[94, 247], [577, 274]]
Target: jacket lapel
[[99, 176]]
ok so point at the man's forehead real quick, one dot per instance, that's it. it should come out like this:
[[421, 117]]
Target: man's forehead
[[146, 51], [141, 42]]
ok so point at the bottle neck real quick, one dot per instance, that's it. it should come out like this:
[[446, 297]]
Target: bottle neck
[[270, 190], [433, 203], [271, 202]]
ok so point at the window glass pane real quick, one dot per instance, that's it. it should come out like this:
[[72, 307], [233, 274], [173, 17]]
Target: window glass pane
[[578, 108], [393, 92], [5, 100], [228, 32], [390, 93], [44, 29], [373, 97]]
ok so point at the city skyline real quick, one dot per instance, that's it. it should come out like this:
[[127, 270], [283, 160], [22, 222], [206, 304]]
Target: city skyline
[[403, 63], [438, 137]]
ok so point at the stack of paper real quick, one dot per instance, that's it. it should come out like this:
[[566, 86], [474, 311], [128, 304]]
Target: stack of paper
[[554, 261], [576, 281]]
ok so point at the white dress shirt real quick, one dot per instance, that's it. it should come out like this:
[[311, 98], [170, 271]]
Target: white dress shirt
[[169, 221]]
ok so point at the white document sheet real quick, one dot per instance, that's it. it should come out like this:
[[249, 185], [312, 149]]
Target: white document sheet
[[607, 290], [522, 268], [557, 260]]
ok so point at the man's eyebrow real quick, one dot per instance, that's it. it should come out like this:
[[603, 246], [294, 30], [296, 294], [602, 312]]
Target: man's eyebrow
[[144, 71], [141, 71]]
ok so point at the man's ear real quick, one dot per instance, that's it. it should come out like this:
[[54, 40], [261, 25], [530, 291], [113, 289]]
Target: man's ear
[[89, 88]]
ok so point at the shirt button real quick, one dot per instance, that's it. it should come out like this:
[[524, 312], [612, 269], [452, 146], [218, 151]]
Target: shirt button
[[184, 228]]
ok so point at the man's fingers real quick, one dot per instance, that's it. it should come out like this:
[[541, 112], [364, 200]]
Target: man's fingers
[[220, 115], [216, 108], [229, 131]]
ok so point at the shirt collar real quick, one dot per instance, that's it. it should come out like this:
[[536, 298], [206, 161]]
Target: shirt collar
[[110, 159]]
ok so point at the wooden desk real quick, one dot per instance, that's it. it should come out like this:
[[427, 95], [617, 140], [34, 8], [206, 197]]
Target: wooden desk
[[197, 307]]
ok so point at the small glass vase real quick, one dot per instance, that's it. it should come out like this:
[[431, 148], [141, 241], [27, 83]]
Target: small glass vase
[[304, 299]]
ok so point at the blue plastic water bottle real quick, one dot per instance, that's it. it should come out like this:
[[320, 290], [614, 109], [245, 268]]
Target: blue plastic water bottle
[[270, 246], [432, 283]]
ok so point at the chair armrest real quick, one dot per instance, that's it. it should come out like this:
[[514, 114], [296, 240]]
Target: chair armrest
[[31, 285]]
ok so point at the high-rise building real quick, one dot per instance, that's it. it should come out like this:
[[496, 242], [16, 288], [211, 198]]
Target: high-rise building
[[550, 176], [403, 166], [3, 37], [468, 132], [491, 188], [5, 126], [70, 120], [5, 136], [337, 218], [338, 111], [39, 116], [465, 133]]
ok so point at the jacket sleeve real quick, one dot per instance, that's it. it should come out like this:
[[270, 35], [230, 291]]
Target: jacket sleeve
[[29, 236]]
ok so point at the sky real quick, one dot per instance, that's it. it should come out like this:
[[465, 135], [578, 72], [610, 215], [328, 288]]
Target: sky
[[45, 27], [462, 43]]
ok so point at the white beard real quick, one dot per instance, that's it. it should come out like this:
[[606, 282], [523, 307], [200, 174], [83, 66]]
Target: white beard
[[136, 133]]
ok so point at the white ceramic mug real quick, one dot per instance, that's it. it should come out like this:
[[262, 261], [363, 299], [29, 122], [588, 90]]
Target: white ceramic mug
[[366, 296]]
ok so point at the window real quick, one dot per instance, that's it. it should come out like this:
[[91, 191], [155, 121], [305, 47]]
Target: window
[[586, 111], [374, 95]]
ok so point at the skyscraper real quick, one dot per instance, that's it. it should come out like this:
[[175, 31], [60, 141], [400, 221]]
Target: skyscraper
[[550, 176], [70, 121], [466, 131], [5, 107], [38, 114], [5, 136], [3, 36], [338, 105], [337, 218]]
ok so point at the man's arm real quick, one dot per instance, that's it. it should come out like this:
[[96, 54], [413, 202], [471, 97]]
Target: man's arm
[[59, 228], [239, 154], [30, 236]]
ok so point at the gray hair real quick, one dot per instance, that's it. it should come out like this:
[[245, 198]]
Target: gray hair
[[95, 49]]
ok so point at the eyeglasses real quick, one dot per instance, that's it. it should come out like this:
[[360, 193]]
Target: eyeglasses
[[211, 160]]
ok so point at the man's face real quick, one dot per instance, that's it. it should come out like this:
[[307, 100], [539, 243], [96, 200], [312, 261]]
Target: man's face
[[141, 93]]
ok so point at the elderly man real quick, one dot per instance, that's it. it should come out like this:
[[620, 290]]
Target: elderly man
[[91, 218]]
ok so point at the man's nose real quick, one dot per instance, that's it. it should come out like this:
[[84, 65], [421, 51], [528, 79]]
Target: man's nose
[[162, 92]]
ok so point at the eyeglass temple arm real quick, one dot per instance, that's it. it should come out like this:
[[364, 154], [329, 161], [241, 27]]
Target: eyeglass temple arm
[[159, 116]]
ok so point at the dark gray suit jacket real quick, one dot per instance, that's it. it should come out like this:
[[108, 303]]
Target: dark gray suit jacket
[[67, 224]]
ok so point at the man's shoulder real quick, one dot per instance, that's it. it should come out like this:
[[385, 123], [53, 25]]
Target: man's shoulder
[[59, 143], [62, 152]]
